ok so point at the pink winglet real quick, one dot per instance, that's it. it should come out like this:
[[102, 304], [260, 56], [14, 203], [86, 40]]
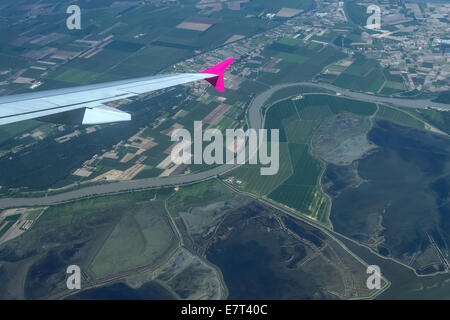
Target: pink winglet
[[218, 70]]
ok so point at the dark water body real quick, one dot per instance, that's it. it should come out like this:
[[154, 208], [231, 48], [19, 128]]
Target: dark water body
[[121, 291], [340, 178], [50, 265], [405, 284], [407, 185], [261, 264]]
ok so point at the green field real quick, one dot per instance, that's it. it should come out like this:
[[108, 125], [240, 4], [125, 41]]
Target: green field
[[318, 106], [292, 91], [75, 76], [297, 183], [290, 57], [439, 119], [313, 113], [5, 226], [362, 75], [142, 236], [8, 223], [61, 214], [254, 182], [199, 192], [356, 13], [305, 199], [300, 132], [11, 130], [395, 85], [35, 214], [300, 63], [400, 117], [77, 232], [299, 191], [226, 123], [289, 41], [306, 168]]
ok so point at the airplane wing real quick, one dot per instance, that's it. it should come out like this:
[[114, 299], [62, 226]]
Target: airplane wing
[[85, 104]]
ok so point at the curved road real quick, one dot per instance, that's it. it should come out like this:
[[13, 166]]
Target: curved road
[[255, 121]]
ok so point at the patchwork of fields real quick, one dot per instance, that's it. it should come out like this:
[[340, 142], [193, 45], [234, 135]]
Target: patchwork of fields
[[139, 239], [297, 184], [298, 62], [368, 76], [362, 75]]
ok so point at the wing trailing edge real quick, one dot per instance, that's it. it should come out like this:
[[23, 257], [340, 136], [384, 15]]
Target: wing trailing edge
[[86, 104], [88, 116]]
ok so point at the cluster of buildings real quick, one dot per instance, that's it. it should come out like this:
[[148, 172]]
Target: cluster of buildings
[[413, 41]]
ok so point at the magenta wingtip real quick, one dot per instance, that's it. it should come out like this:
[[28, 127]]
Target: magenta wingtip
[[218, 70]]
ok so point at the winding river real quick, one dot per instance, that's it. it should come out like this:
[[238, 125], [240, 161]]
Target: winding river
[[255, 118]]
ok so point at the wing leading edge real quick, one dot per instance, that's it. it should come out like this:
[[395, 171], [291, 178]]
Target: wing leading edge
[[85, 104]]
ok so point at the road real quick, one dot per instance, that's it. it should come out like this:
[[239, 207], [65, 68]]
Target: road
[[255, 118]]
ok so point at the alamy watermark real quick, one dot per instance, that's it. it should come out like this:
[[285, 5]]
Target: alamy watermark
[[374, 280], [74, 279], [238, 147], [374, 20], [73, 22]]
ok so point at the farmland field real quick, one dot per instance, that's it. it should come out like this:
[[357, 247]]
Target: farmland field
[[297, 183], [141, 237], [14, 129], [299, 62], [335, 104], [299, 191], [439, 119], [254, 182], [35, 214], [362, 75], [400, 117], [300, 131], [65, 234], [75, 76], [200, 192], [290, 57], [289, 41]]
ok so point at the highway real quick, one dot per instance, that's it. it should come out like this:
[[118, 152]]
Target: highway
[[255, 119]]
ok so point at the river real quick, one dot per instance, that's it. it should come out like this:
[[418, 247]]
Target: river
[[255, 118]]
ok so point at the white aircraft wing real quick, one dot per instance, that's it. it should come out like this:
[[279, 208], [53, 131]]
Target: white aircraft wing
[[85, 104]]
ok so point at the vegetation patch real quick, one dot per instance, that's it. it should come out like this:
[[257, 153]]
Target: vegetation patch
[[141, 237]]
